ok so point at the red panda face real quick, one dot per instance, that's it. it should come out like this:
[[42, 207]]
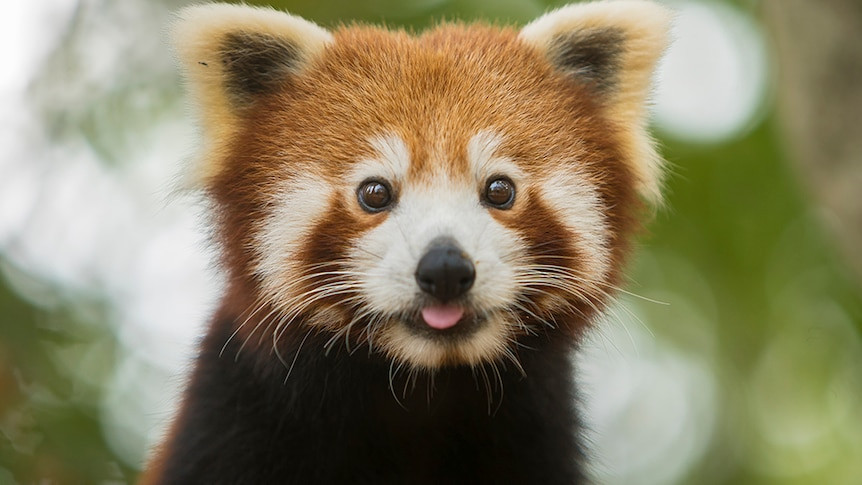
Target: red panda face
[[470, 259], [435, 199]]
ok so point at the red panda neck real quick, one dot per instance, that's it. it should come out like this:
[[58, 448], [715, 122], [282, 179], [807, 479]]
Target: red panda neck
[[323, 417]]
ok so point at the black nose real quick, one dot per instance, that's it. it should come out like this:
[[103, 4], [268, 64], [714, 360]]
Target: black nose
[[445, 272]]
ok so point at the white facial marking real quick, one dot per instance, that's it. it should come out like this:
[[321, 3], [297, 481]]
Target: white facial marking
[[565, 190], [423, 214], [438, 206], [579, 207], [391, 163], [298, 204], [484, 161], [383, 260]]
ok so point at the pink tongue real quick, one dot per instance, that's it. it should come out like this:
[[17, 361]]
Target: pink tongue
[[441, 316]]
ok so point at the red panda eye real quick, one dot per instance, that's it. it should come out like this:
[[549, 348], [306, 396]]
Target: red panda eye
[[500, 193], [374, 196]]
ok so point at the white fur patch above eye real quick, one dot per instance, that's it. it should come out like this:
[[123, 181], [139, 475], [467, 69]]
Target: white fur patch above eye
[[298, 204], [392, 160], [484, 160]]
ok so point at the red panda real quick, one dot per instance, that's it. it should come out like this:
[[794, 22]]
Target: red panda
[[416, 231]]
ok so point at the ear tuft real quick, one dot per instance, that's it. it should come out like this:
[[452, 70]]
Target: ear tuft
[[231, 55], [612, 46]]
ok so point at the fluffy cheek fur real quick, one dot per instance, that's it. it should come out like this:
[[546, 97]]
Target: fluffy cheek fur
[[298, 204], [324, 260], [297, 118]]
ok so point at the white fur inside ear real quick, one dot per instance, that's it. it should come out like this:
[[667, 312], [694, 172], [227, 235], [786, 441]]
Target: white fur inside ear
[[200, 29], [641, 27], [199, 36], [645, 19]]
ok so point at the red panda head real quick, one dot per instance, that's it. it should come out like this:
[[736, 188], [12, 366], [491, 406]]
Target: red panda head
[[436, 198]]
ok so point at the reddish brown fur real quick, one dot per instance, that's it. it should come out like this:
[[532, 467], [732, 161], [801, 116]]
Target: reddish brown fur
[[434, 91], [437, 89]]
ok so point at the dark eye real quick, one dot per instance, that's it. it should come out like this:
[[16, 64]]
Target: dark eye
[[374, 196], [500, 193]]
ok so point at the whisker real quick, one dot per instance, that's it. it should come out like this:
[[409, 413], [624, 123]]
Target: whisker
[[250, 334], [392, 374], [296, 355], [583, 278], [257, 305]]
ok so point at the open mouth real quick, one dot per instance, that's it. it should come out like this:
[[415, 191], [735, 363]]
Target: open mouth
[[434, 334], [441, 317], [444, 321]]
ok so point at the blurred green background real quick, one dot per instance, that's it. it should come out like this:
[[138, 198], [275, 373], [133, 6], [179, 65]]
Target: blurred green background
[[740, 364]]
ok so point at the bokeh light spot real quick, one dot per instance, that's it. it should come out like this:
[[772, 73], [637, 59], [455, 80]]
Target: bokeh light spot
[[712, 81]]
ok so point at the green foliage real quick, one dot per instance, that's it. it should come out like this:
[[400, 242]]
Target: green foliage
[[776, 313], [50, 427]]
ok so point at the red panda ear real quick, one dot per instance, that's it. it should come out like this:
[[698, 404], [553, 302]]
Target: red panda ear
[[612, 46], [232, 54]]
